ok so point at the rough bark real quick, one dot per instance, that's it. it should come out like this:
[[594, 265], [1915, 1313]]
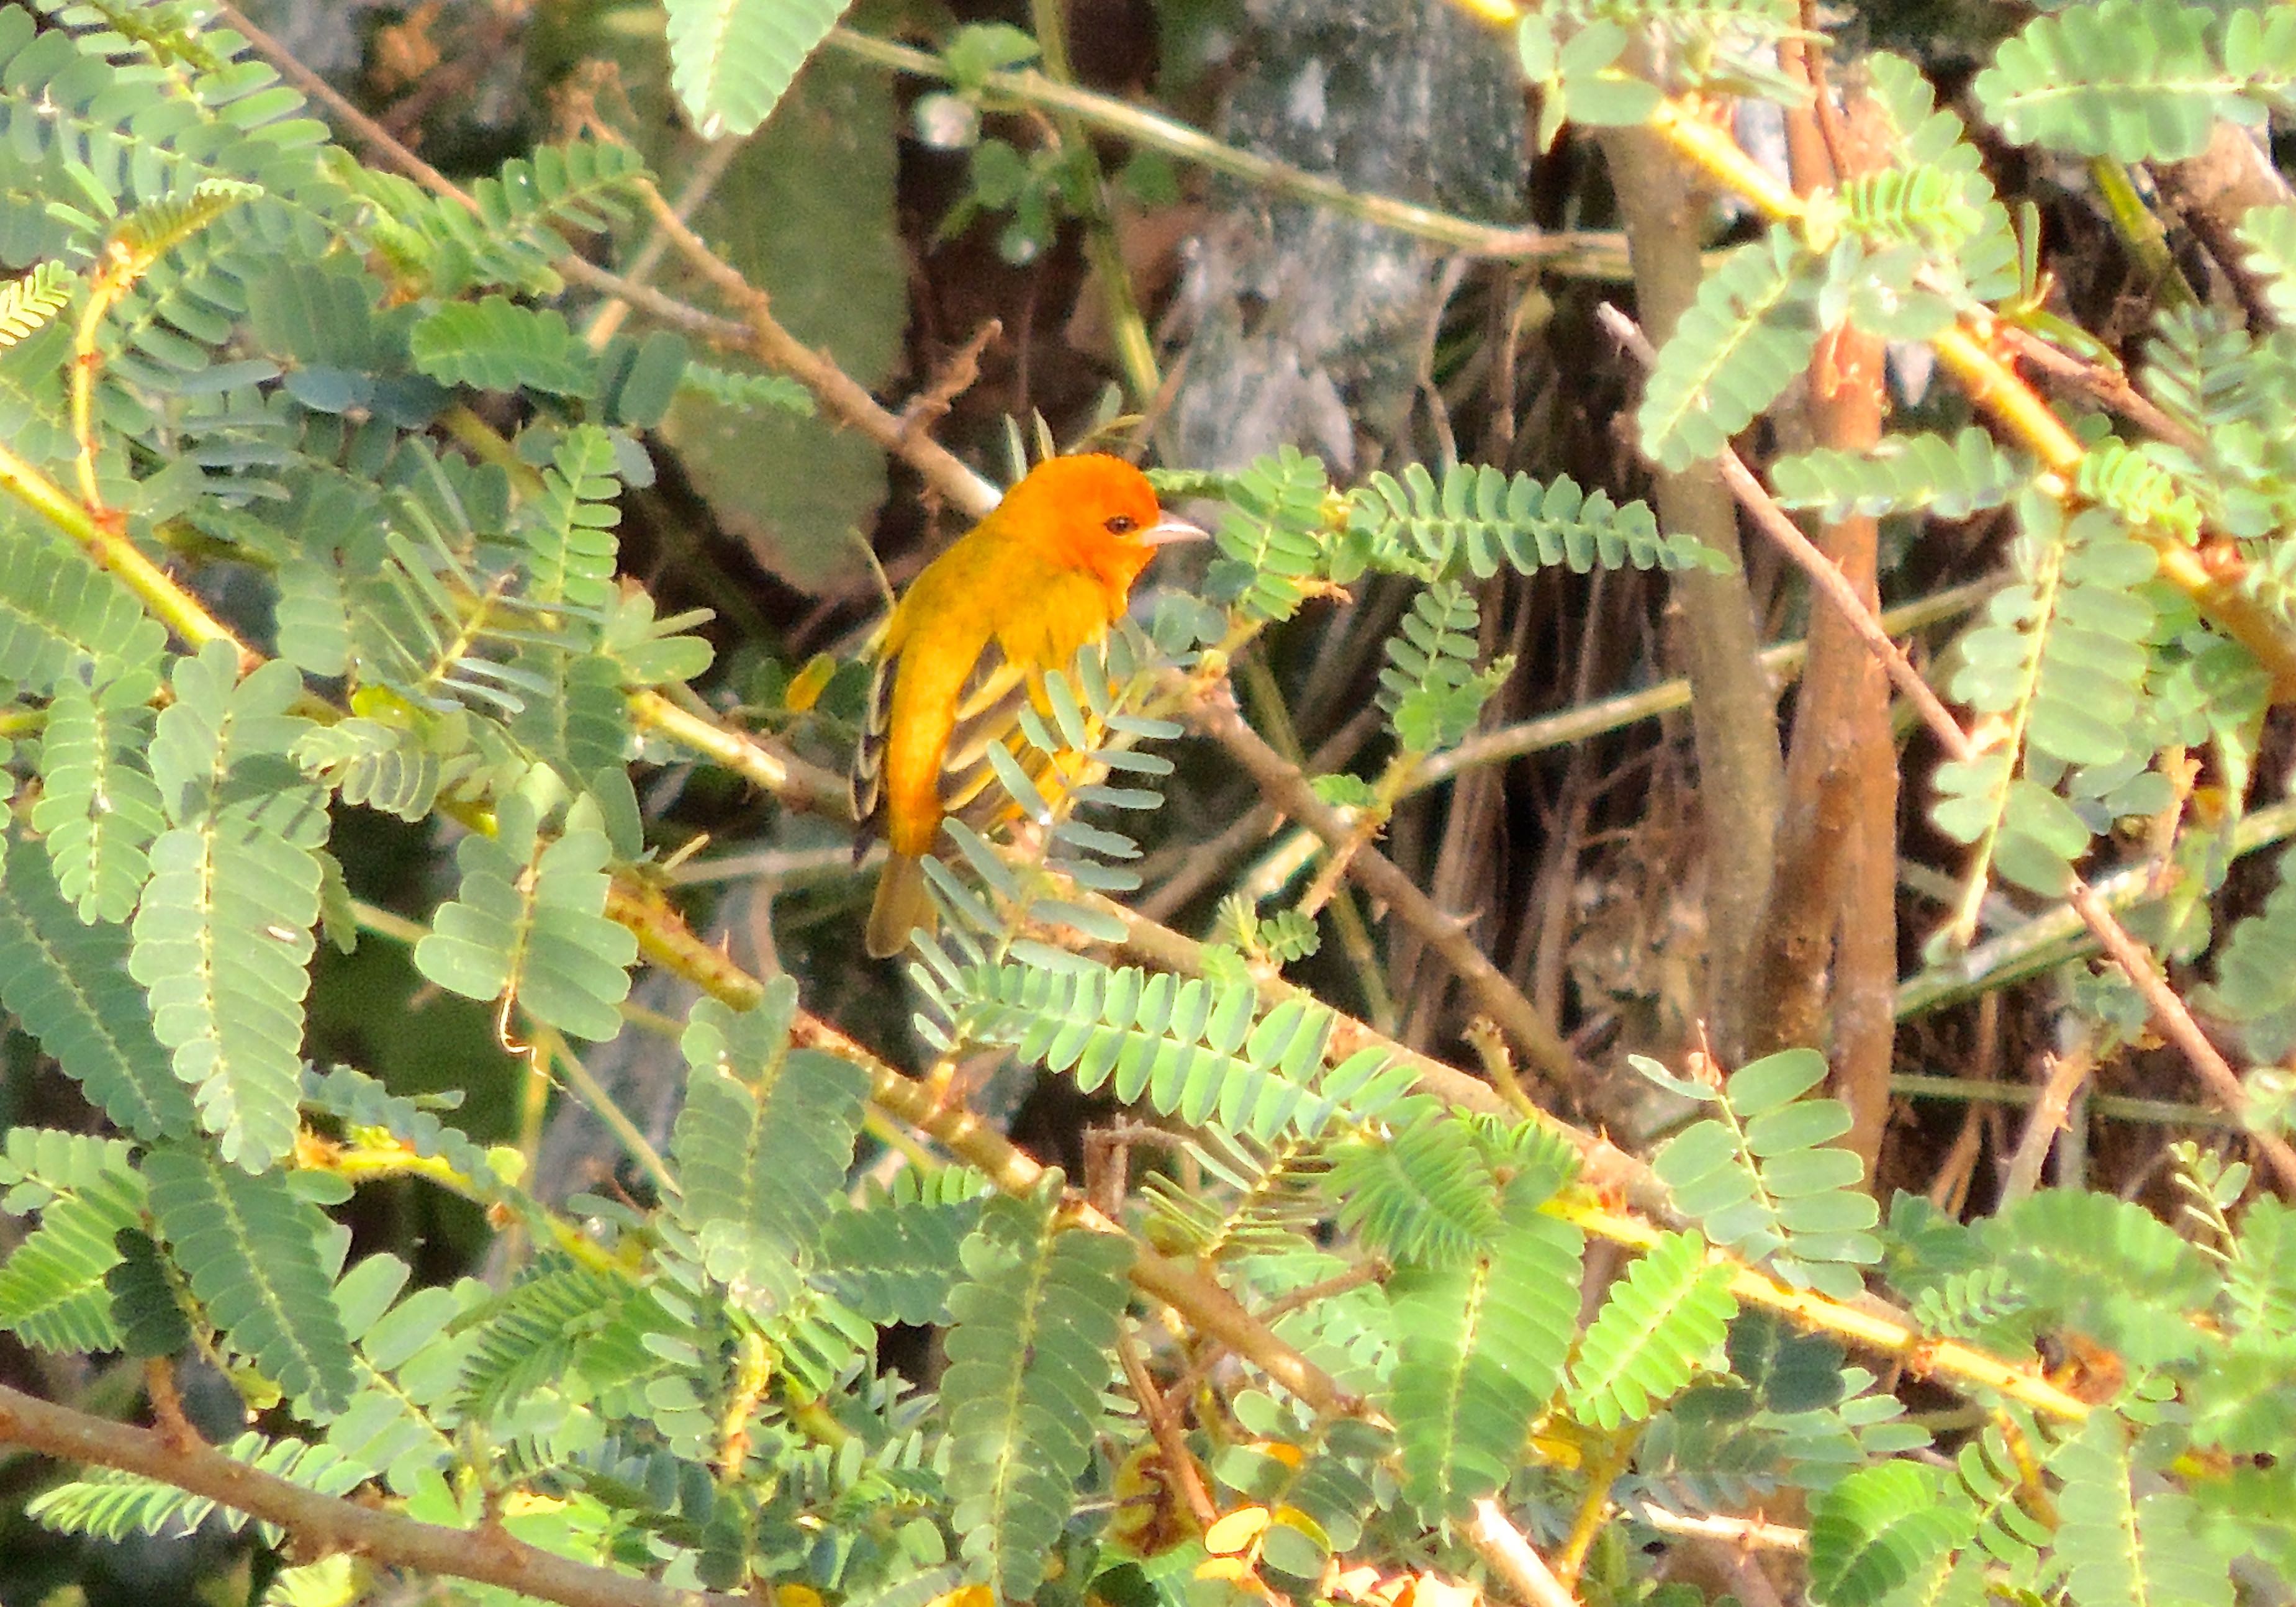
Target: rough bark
[[1734, 718]]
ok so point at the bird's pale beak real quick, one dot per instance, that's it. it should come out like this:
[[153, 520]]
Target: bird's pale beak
[[1166, 530]]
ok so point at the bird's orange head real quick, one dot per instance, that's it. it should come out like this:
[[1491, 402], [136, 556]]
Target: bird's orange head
[[1095, 514]]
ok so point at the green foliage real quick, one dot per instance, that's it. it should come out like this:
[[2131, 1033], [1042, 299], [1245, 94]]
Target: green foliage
[[26, 304], [53, 1290], [765, 1135], [528, 925], [509, 235], [1482, 1346], [2119, 1546], [2256, 983], [223, 936], [1950, 479], [1760, 1178], [250, 1248], [2061, 657], [1748, 334], [67, 982], [1483, 519], [2137, 80], [58, 613], [1027, 1358], [892, 1256], [99, 809], [1431, 685], [495, 344], [1661, 1322], [2106, 1267], [1876, 1529], [570, 535], [112, 1506], [1427, 1195], [731, 60], [1273, 535], [1197, 1050]]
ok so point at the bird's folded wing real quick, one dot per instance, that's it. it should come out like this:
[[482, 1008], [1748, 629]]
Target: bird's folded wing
[[988, 710]]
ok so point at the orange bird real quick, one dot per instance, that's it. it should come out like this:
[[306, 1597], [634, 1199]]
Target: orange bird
[[1048, 571]]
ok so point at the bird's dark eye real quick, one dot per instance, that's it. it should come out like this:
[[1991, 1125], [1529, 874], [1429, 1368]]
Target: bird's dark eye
[[1123, 524]]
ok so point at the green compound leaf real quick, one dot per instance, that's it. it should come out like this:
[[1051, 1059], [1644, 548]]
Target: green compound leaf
[[1273, 535], [2107, 1268], [516, 233], [59, 611], [2062, 656], [570, 529], [26, 304], [529, 924], [730, 60], [893, 1257], [2121, 1551], [496, 344], [766, 1136], [1481, 1347], [1762, 1179], [1749, 332], [2256, 984], [250, 1248], [1195, 1049], [1878, 1527], [1948, 479], [576, 713], [68, 984], [2269, 232], [86, 1192], [99, 809], [1426, 1196], [1029, 1354], [1431, 684], [382, 766], [112, 1505], [2132, 79], [1482, 519], [1662, 1322], [224, 940], [146, 1312]]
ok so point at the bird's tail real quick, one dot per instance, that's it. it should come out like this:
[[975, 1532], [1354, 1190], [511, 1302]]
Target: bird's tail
[[903, 904]]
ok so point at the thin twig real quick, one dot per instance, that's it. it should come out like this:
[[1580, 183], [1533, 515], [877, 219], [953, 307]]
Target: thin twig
[[2171, 1016], [1171, 1445], [1734, 1531], [1822, 570], [1213, 713], [1513, 1558], [2066, 1073], [1593, 255], [324, 1524]]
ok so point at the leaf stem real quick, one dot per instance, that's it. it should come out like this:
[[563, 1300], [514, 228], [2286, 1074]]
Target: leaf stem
[[1134, 350], [1598, 256], [1889, 1334]]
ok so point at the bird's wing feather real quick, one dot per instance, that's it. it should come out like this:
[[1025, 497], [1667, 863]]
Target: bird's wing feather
[[988, 710], [869, 758]]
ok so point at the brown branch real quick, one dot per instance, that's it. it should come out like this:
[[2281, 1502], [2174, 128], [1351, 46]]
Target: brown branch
[[2066, 1073], [1822, 571], [2171, 1016], [1213, 713], [1515, 1559], [844, 398], [1171, 1442], [322, 1524], [1734, 713]]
